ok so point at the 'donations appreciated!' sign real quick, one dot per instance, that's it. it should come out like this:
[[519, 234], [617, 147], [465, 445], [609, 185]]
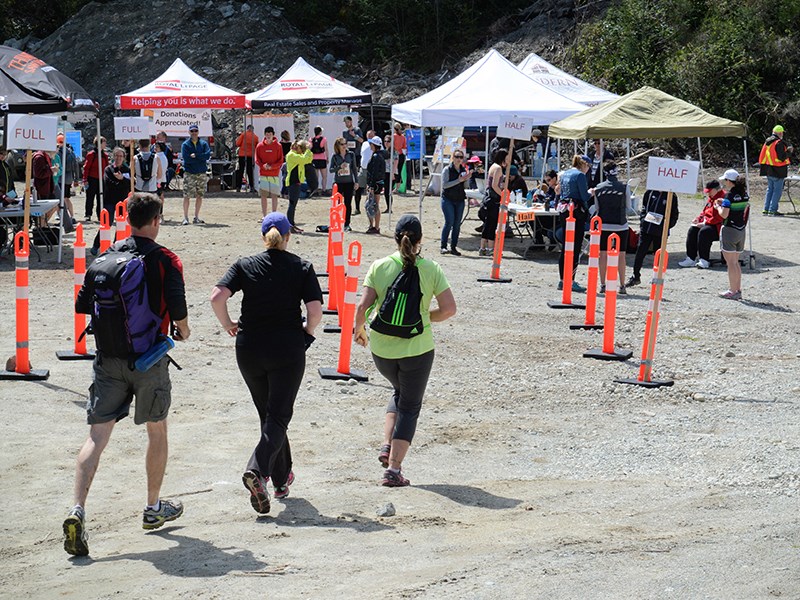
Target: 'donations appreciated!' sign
[[31, 132], [668, 175], [514, 127], [131, 128]]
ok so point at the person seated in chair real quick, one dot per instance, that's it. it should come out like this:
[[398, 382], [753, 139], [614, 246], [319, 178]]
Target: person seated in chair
[[705, 229]]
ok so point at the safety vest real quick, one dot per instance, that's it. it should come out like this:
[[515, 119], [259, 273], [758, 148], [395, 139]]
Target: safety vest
[[769, 156]]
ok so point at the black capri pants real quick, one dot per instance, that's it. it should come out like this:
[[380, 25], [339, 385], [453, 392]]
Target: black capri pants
[[273, 377], [409, 378]]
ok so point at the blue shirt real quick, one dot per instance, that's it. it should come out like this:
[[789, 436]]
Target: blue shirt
[[201, 151], [575, 187]]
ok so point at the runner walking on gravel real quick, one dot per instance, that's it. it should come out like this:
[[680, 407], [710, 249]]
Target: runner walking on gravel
[[405, 361], [116, 382], [271, 341]]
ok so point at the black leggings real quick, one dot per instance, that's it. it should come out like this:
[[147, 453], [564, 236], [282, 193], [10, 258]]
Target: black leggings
[[346, 190], [93, 197], [699, 240], [387, 188], [645, 240], [273, 380], [245, 166], [409, 378]]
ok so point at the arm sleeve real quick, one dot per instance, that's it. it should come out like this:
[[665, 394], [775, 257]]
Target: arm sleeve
[[232, 279], [583, 188], [174, 286], [448, 183], [206, 151], [85, 300], [673, 216], [440, 283], [311, 289]]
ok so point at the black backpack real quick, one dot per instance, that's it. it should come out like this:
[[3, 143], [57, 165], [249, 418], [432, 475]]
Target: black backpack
[[122, 321], [316, 145], [146, 166], [399, 314]]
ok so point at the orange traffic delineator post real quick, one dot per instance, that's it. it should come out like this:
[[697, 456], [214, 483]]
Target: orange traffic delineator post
[[336, 280], [569, 254], [595, 230], [609, 351], [19, 368], [343, 370], [650, 330], [105, 231], [79, 253], [500, 232], [123, 228], [335, 241], [335, 197], [651, 326]]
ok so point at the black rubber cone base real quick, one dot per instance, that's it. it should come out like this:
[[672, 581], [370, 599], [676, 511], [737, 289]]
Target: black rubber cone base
[[70, 355], [653, 383], [588, 327], [493, 280], [331, 329], [332, 373], [559, 305], [34, 375], [322, 274], [329, 311], [324, 292], [617, 354]]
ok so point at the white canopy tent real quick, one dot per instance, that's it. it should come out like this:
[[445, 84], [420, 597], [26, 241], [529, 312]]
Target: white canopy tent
[[180, 87], [553, 78], [303, 86], [478, 96]]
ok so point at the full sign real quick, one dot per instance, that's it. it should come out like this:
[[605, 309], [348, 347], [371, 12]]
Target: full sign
[[668, 175], [131, 128], [514, 127], [31, 132]]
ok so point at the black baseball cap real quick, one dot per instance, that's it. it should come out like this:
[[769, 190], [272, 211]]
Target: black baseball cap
[[409, 224]]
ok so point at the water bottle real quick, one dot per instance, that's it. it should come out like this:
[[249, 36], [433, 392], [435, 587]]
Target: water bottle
[[529, 199], [154, 354]]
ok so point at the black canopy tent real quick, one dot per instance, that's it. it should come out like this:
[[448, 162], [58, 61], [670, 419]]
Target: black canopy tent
[[28, 85]]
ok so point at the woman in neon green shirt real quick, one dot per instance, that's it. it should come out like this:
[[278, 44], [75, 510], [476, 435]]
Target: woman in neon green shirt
[[297, 159], [405, 362]]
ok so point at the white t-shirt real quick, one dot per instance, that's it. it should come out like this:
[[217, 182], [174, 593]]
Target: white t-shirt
[[366, 154], [162, 158]]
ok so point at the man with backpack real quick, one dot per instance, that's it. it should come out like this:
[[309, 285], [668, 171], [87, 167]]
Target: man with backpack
[[133, 292], [147, 169]]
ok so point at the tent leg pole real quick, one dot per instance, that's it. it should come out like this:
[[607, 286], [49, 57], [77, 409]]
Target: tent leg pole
[[62, 203], [558, 158], [546, 156], [100, 162], [628, 156], [421, 168], [700, 156], [749, 221]]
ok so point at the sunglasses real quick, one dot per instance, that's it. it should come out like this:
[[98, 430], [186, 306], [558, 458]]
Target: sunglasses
[[458, 156]]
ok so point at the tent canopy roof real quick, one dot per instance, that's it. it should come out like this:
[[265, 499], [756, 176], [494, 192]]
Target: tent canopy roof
[[542, 72], [180, 87], [304, 86], [479, 95], [29, 85], [645, 113]]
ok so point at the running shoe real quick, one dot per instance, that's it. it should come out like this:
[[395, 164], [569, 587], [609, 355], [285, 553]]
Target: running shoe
[[703, 264], [455, 252], [602, 289], [729, 295], [296, 229], [76, 542], [775, 213], [622, 290], [392, 479], [444, 251], [259, 496], [633, 281], [185, 221], [198, 221], [383, 455], [168, 511], [576, 287], [687, 262], [281, 491]]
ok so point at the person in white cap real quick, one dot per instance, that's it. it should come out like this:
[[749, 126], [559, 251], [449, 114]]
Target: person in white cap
[[376, 170], [734, 210]]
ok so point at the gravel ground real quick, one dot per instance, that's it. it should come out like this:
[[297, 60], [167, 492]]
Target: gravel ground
[[533, 474]]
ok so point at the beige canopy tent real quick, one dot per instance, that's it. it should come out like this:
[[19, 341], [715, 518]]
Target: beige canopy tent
[[645, 113], [649, 113]]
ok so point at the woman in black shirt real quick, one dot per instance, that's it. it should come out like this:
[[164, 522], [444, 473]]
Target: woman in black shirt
[[453, 200], [270, 346]]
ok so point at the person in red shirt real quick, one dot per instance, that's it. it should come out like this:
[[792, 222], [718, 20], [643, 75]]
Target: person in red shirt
[[269, 158], [705, 229], [246, 142], [91, 178]]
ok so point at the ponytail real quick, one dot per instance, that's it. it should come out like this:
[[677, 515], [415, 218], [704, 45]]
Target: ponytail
[[274, 240], [407, 250]]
